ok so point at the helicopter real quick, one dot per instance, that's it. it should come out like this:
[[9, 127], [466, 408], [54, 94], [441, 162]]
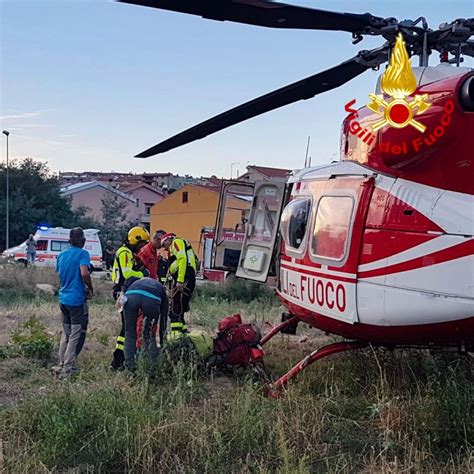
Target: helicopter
[[378, 247]]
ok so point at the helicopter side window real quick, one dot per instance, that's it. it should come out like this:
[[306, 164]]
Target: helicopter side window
[[294, 221], [331, 229]]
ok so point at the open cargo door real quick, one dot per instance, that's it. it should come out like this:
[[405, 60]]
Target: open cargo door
[[261, 231], [233, 213]]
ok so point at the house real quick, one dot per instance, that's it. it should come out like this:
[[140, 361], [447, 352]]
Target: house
[[147, 196], [263, 173], [210, 181], [164, 181], [90, 195], [187, 211]]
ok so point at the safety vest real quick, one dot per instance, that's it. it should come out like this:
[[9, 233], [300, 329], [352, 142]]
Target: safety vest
[[182, 257], [123, 266]]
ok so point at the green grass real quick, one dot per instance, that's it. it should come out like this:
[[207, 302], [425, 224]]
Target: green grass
[[367, 411], [355, 413]]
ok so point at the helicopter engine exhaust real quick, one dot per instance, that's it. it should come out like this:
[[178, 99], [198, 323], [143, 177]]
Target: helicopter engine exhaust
[[466, 94]]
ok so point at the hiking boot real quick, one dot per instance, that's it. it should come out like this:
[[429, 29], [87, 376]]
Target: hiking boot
[[56, 369], [116, 367], [66, 373]]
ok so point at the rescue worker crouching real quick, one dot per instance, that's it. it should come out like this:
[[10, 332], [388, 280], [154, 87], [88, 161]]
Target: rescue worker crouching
[[144, 297], [182, 271], [127, 265]]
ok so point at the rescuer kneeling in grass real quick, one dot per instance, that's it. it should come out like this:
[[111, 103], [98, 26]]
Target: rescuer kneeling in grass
[[146, 297], [127, 265], [182, 270]]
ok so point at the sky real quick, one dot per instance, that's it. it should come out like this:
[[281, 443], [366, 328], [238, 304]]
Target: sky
[[87, 84]]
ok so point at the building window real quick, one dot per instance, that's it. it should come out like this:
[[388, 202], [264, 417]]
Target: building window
[[41, 245], [294, 221], [148, 207], [185, 197], [331, 229]]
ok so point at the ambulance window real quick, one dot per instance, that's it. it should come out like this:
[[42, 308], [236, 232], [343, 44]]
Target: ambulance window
[[59, 245], [294, 221], [331, 229], [41, 245]]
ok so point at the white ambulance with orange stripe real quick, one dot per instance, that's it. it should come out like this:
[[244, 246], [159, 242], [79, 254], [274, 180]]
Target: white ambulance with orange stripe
[[51, 241]]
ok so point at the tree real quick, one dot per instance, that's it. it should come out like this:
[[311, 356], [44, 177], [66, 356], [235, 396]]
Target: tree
[[35, 198], [114, 217], [82, 219]]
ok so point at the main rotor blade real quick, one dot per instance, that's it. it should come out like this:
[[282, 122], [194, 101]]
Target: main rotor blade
[[304, 89], [268, 13]]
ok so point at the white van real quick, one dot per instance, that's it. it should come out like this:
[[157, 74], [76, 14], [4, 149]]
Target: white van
[[51, 241]]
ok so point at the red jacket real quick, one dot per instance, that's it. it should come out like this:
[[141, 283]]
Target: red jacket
[[149, 257]]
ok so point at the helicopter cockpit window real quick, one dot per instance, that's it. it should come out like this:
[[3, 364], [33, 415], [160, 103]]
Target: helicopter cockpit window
[[294, 221], [331, 229]]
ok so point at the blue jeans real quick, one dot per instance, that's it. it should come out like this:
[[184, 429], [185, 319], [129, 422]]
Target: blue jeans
[[30, 257]]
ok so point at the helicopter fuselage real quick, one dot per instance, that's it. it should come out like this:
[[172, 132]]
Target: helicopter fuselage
[[387, 250]]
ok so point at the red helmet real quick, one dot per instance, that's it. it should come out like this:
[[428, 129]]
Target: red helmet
[[166, 237]]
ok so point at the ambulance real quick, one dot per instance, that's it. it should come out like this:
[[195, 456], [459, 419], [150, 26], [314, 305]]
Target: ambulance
[[51, 241]]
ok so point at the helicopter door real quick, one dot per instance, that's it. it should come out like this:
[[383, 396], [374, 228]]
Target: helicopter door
[[261, 231], [232, 215]]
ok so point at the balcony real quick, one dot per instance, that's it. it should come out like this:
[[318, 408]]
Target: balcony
[[144, 218]]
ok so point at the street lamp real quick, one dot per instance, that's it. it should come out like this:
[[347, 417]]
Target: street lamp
[[232, 168], [7, 230]]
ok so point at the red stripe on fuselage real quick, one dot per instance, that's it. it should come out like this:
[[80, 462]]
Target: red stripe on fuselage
[[319, 274], [449, 333], [463, 249]]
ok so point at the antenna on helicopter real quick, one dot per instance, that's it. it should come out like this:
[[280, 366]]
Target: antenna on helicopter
[[307, 150]]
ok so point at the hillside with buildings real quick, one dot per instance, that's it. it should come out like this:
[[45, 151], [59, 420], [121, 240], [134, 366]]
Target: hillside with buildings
[[182, 204]]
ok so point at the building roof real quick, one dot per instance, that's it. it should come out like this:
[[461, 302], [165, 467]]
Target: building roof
[[79, 187], [271, 172], [213, 180], [212, 189], [133, 187]]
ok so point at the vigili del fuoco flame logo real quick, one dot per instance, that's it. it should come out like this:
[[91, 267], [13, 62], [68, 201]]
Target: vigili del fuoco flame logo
[[397, 111], [399, 82]]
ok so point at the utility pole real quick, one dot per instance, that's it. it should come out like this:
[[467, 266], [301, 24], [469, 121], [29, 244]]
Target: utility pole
[[232, 168], [7, 200]]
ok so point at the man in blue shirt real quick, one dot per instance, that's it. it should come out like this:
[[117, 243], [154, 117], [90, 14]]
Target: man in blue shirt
[[76, 288]]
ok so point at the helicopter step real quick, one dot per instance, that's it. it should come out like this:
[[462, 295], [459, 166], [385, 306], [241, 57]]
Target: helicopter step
[[288, 325]]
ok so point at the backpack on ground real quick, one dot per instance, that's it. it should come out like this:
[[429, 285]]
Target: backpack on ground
[[233, 342]]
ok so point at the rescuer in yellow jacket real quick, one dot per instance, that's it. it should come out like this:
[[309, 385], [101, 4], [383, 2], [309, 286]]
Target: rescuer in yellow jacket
[[182, 270], [127, 265]]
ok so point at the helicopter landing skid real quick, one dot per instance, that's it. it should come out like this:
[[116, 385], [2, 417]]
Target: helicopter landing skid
[[275, 389]]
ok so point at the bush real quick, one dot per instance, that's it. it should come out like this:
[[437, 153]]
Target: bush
[[32, 340], [238, 290]]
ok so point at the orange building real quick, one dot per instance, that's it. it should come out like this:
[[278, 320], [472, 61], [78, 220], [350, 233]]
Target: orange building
[[192, 207]]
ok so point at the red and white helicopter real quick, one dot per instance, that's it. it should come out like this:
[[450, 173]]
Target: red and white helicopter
[[378, 247]]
